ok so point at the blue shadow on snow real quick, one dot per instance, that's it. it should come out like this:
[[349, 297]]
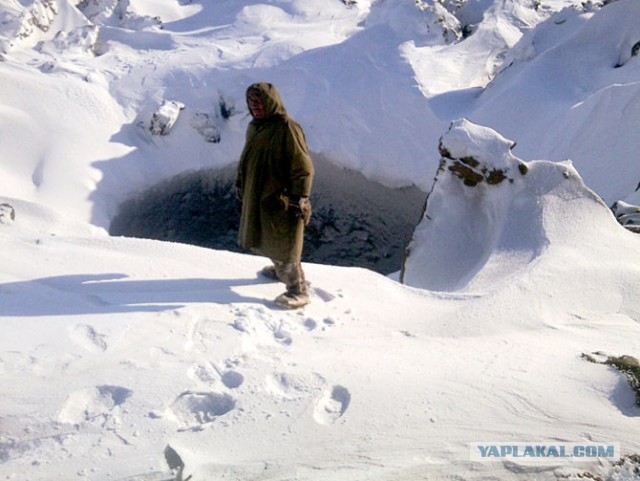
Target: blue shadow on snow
[[115, 293]]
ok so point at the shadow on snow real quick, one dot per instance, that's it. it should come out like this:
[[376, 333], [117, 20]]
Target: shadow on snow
[[115, 293]]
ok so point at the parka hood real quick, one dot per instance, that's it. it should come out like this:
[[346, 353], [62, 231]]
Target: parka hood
[[270, 97]]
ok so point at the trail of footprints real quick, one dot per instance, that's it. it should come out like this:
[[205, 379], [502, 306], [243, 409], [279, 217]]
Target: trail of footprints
[[222, 387], [262, 332], [265, 334]]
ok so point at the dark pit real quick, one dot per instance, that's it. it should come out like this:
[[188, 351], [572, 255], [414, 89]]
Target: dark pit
[[356, 222]]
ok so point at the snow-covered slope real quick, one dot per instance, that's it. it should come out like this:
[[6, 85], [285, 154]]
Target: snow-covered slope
[[575, 98], [121, 358], [349, 72], [491, 217], [114, 349]]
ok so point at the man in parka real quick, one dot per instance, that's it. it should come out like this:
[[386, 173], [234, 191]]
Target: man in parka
[[274, 183]]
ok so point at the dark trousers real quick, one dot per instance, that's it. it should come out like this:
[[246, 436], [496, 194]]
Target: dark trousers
[[292, 275]]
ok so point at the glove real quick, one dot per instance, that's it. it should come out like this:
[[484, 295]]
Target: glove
[[302, 207], [305, 209]]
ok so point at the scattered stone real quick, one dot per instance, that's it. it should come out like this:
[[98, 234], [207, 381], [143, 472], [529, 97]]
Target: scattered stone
[[7, 213], [204, 125], [628, 215], [628, 365], [470, 169], [163, 120], [40, 16]]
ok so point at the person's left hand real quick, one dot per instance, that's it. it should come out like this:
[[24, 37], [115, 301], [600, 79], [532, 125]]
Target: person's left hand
[[305, 209]]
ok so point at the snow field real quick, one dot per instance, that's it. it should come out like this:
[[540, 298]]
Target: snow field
[[114, 349]]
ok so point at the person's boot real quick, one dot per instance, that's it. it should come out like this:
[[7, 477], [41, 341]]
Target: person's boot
[[297, 294], [292, 300], [270, 273]]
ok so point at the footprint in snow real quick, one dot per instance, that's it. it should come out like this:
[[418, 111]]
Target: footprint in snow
[[310, 324], [291, 386], [232, 379], [88, 338], [191, 410], [262, 326], [94, 405], [203, 373], [331, 405], [209, 375]]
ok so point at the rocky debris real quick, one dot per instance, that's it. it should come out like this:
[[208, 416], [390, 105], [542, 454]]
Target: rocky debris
[[627, 365], [208, 124], [163, 120], [205, 126], [116, 13], [464, 214], [355, 222], [21, 22], [473, 171], [442, 19], [628, 215], [82, 40], [40, 16], [7, 213]]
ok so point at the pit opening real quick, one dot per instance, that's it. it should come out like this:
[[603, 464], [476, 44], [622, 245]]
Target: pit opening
[[356, 222]]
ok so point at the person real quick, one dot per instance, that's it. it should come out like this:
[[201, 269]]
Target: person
[[273, 182]]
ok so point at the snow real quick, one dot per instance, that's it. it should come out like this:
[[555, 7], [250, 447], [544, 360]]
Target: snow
[[563, 103], [122, 358]]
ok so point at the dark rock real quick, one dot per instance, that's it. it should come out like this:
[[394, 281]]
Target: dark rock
[[7, 213]]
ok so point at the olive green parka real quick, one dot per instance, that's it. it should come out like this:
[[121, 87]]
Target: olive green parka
[[275, 170]]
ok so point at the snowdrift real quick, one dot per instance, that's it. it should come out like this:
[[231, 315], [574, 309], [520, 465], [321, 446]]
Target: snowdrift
[[562, 89], [126, 359], [489, 215], [131, 359], [371, 83]]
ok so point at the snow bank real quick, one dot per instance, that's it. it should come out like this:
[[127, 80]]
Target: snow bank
[[114, 349], [489, 215], [348, 72], [492, 29], [54, 123], [572, 92], [121, 358]]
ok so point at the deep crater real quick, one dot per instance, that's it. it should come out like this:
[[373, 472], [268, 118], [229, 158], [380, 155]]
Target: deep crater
[[356, 222]]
